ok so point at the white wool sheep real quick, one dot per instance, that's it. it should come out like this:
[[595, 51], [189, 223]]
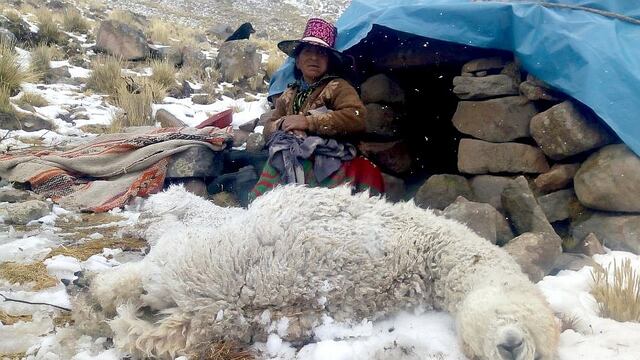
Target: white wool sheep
[[302, 253]]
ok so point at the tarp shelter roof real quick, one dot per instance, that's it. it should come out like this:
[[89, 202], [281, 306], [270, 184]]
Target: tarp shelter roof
[[588, 49]]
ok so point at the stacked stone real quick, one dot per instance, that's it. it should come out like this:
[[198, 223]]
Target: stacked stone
[[384, 144], [558, 191]]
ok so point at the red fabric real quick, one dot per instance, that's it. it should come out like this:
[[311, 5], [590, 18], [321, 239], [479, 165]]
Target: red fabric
[[220, 120], [363, 171]]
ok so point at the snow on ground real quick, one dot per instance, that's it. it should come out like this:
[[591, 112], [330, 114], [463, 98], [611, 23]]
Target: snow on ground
[[416, 335]]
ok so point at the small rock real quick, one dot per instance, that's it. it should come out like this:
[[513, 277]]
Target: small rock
[[573, 262], [558, 177], [496, 120], [7, 38], [381, 89], [394, 188], [32, 122], [203, 99], [488, 189], [57, 75], [560, 205], [536, 253], [249, 126], [616, 231], [610, 180], [221, 31], [483, 64], [484, 87], [534, 93], [21, 213], [265, 117], [9, 121], [255, 142], [393, 156], [16, 195], [564, 131], [524, 211], [170, 54], [590, 246], [167, 119], [481, 157], [439, 191]]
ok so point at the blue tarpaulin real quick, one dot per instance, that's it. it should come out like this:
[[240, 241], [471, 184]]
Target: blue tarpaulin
[[588, 49]]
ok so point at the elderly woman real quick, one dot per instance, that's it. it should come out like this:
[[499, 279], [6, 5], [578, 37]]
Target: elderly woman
[[314, 120]]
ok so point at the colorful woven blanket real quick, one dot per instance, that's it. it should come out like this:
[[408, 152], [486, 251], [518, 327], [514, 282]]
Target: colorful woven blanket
[[110, 170]]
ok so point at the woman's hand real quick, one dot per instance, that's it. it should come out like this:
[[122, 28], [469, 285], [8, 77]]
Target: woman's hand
[[295, 122]]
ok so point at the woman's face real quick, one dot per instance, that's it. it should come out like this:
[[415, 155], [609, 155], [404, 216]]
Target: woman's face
[[313, 62]]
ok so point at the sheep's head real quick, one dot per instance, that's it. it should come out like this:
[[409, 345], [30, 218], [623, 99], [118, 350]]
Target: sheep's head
[[507, 324]]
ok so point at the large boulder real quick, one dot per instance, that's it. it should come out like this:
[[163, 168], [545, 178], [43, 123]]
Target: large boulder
[[441, 190], [467, 87], [15, 195], [196, 162], [381, 89], [610, 180], [122, 40], [536, 253], [488, 189], [496, 120], [481, 157], [238, 60], [381, 120], [616, 231], [23, 212], [483, 219], [564, 130], [558, 177], [167, 119]]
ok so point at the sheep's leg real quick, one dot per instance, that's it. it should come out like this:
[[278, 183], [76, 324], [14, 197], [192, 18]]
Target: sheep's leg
[[121, 285]]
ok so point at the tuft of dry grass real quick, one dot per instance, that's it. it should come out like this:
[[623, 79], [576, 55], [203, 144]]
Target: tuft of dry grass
[[13, 15], [5, 101], [275, 61], [163, 73], [35, 273], [33, 99], [106, 75], [89, 248], [41, 57], [159, 31], [125, 17], [6, 319], [224, 350], [158, 91], [63, 320], [12, 75], [617, 291], [14, 356], [73, 21], [136, 108], [48, 30]]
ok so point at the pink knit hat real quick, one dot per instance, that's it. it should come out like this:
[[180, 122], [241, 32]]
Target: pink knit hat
[[317, 32]]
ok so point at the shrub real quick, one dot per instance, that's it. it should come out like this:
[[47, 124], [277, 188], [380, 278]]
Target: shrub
[[136, 108], [163, 73], [106, 75], [158, 91], [159, 31], [41, 61], [617, 291], [48, 28], [12, 15], [5, 102], [125, 17], [12, 75], [73, 21], [32, 99]]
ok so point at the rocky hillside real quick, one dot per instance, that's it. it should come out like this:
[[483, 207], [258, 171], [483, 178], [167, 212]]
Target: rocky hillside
[[275, 19]]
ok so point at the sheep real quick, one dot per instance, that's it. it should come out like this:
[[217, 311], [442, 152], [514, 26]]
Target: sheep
[[303, 253]]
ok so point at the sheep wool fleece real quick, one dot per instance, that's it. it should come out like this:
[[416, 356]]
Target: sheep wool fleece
[[302, 253]]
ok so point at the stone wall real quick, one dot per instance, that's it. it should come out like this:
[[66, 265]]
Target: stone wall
[[535, 169]]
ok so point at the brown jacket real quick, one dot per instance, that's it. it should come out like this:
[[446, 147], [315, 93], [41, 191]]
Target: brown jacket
[[347, 117]]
